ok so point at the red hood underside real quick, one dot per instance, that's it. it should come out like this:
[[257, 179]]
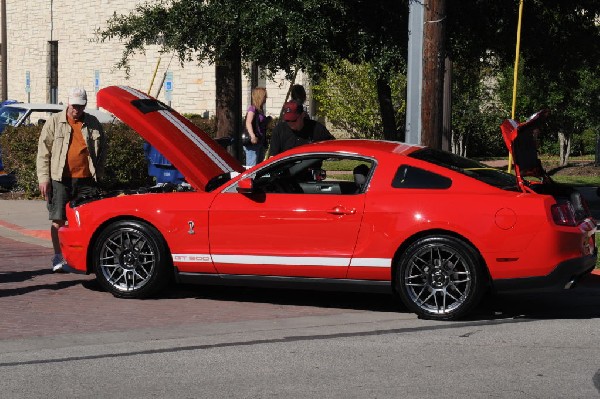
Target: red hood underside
[[522, 144], [193, 152]]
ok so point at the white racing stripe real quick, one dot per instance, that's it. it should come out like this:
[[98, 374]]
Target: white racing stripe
[[280, 260], [134, 92], [371, 262], [216, 158], [283, 260]]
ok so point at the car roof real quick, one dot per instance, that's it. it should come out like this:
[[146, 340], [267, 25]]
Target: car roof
[[37, 106], [362, 147]]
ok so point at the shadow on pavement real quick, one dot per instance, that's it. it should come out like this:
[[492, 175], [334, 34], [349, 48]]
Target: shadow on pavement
[[15, 277], [579, 303], [32, 288], [582, 302]]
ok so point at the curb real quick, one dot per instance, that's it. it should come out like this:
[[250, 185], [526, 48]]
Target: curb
[[43, 234]]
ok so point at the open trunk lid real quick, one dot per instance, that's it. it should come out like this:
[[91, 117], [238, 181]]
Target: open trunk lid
[[521, 141]]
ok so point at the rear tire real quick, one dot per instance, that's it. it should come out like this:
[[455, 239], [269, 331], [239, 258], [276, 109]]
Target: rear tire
[[440, 278], [130, 259]]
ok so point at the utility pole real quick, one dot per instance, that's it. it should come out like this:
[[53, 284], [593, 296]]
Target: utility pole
[[3, 53], [434, 55]]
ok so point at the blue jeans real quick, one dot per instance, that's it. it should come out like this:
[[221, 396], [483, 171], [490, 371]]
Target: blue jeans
[[255, 153]]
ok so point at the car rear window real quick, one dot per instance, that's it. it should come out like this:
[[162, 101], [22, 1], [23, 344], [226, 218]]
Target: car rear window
[[468, 167], [411, 177]]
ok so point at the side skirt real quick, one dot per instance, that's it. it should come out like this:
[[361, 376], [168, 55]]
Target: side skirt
[[305, 283]]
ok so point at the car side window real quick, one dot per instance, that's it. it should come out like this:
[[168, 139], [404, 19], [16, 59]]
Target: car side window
[[411, 177], [316, 174]]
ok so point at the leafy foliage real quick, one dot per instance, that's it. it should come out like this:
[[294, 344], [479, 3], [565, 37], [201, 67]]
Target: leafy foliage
[[560, 54], [278, 35], [560, 46], [19, 151], [476, 117], [573, 103], [126, 165], [348, 98]]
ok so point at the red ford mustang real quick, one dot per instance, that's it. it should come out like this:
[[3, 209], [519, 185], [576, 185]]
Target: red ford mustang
[[437, 229]]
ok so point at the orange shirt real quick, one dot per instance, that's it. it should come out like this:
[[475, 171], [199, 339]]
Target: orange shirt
[[77, 165]]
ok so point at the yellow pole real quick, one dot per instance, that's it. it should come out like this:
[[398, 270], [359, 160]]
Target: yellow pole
[[153, 75], [516, 73]]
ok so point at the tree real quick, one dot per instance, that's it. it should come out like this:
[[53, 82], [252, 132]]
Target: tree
[[560, 46], [348, 95], [475, 114], [376, 34], [278, 35]]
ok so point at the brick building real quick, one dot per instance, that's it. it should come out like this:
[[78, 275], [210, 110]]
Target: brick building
[[51, 46]]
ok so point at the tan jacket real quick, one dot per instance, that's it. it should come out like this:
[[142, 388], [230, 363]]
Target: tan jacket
[[54, 144]]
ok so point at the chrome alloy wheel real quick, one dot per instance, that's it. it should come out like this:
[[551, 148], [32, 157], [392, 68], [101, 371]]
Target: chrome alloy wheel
[[438, 279], [127, 259]]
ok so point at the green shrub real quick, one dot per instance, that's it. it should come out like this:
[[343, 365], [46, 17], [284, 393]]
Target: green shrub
[[126, 164], [19, 150], [209, 125], [347, 97]]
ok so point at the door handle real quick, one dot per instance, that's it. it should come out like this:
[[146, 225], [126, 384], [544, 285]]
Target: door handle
[[342, 210]]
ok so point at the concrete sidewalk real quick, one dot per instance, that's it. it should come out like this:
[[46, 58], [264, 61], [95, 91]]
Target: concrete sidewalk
[[26, 221]]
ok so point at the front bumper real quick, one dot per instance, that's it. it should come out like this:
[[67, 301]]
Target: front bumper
[[73, 248]]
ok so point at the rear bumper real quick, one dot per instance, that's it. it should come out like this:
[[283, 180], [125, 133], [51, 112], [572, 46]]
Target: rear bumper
[[563, 276]]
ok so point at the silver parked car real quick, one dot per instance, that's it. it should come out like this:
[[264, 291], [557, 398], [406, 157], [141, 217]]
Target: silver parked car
[[18, 114]]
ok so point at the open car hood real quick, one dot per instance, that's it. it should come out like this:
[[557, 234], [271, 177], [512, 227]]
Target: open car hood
[[522, 145], [193, 152]]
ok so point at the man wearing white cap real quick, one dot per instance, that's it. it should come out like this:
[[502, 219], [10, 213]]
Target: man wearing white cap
[[70, 160]]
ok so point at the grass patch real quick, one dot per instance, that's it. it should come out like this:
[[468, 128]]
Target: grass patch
[[577, 180]]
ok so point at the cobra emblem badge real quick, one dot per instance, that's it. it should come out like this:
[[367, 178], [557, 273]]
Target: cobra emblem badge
[[191, 230]]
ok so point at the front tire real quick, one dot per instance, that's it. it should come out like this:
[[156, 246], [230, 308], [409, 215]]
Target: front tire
[[130, 259], [440, 278]]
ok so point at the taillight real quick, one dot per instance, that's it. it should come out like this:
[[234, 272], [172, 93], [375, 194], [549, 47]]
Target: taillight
[[563, 214]]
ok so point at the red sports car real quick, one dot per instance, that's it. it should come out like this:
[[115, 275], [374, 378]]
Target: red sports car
[[434, 228]]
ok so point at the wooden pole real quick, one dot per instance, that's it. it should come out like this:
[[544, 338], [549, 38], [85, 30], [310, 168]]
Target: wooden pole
[[434, 54]]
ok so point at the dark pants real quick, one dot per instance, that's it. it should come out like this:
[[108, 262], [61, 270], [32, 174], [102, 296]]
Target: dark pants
[[66, 190]]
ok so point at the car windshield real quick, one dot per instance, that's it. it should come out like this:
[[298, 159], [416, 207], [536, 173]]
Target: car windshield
[[468, 167], [10, 116], [217, 181]]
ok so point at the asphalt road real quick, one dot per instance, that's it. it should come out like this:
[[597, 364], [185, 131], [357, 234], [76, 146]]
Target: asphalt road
[[61, 336]]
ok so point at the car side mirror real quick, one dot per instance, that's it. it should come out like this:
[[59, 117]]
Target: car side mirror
[[245, 186]]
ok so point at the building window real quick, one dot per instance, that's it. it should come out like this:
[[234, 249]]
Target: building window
[[52, 72]]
